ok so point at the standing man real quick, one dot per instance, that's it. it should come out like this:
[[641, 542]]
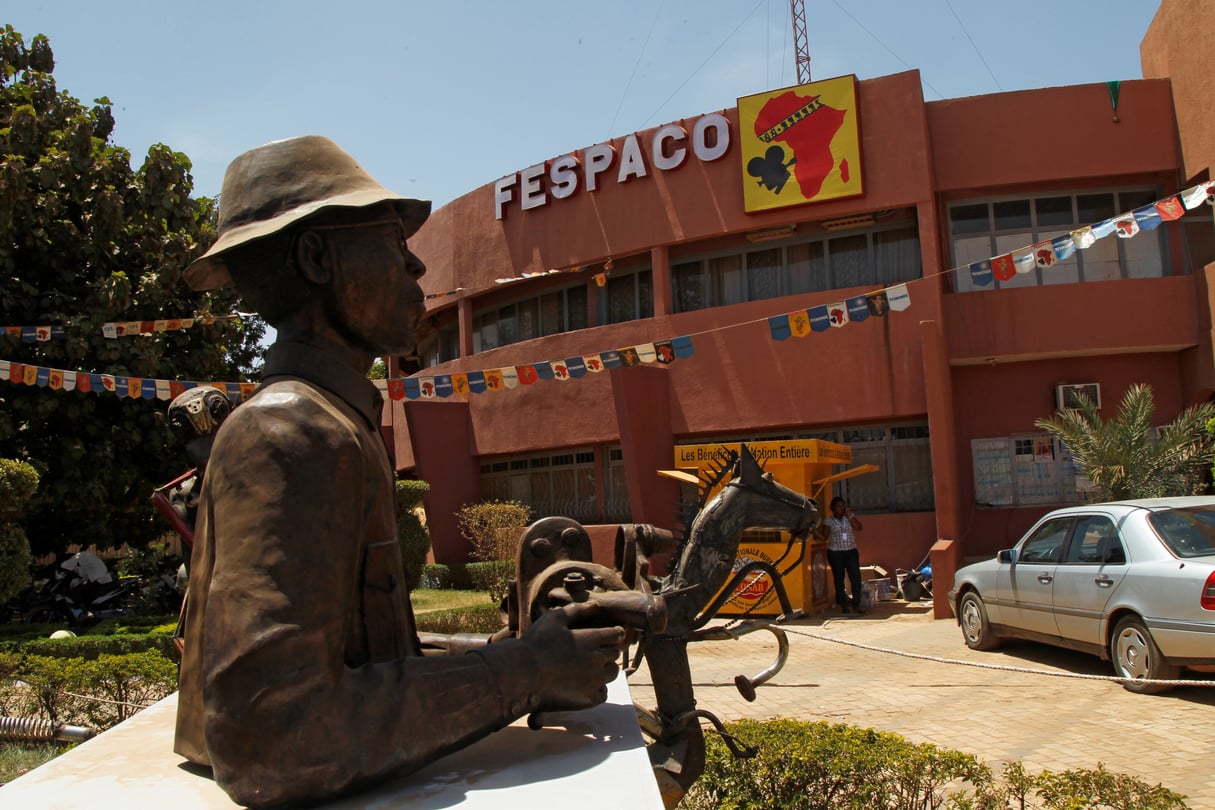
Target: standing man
[[839, 529], [303, 676]]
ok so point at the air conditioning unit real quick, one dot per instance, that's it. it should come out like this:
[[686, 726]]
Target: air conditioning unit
[[1068, 396]]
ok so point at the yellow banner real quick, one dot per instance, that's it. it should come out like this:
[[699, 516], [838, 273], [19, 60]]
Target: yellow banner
[[800, 144], [805, 451]]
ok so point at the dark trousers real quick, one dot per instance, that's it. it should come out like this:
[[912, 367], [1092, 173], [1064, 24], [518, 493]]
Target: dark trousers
[[850, 561]]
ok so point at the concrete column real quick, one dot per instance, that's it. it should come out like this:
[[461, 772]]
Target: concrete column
[[465, 312], [643, 409], [938, 388], [443, 452], [660, 265]]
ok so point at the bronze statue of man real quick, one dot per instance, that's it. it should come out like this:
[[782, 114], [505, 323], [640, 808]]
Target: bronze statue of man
[[303, 676]]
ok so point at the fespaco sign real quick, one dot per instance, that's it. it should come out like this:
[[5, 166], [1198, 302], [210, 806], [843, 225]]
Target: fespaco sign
[[562, 177]]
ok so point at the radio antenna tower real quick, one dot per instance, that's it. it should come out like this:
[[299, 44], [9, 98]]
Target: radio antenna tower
[[801, 45]]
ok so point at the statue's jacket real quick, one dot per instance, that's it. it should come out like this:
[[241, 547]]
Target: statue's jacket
[[296, 586]]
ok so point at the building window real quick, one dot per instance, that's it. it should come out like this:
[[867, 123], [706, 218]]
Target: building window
[[549, 484], [616, 506], [441, 346], [548, 314], [983, 229], [1023, 470], [627, 297], [872, 258]]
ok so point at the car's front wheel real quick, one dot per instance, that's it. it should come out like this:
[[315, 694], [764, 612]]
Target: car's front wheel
[[1135, 655], [972, 615]]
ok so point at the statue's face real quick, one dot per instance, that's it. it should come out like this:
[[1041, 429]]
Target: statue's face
[[375, 300]]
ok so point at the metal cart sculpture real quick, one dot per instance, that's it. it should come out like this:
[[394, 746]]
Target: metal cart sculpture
[[665, 614]]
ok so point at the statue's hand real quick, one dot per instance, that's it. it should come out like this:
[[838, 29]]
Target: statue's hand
[[575, 664]]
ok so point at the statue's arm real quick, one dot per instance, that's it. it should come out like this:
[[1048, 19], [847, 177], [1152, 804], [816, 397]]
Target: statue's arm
[[286, 719]]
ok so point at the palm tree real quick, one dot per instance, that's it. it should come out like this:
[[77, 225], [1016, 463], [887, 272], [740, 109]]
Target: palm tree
[[1125, 457]]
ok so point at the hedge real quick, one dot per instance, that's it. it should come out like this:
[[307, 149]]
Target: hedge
[[91, 647], [804, 764], [477, 619], [99, 692]]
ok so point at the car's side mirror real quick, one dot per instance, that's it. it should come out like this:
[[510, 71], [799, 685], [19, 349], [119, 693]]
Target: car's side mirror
[[1007, 555]]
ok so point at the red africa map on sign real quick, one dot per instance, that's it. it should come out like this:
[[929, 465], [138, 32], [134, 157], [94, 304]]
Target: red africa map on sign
[[807, 126]]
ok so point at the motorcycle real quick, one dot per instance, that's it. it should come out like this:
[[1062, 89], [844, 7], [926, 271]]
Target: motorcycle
[[916, 583]]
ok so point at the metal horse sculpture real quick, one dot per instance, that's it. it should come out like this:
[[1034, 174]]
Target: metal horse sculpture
[[664, 615]]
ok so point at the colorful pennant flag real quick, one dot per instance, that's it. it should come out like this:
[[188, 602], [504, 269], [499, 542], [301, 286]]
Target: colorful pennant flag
[[1044, 254], [838, 313], [1147, 217], [1024, 260], [778, 325], [1002, 267], [1084, 238], [858, 308], [980, 273], [878, 303], [799, 323], [1197, 195], [1126, 226], [1064, 247], [1170, 209], [820, 318], [899, 297]]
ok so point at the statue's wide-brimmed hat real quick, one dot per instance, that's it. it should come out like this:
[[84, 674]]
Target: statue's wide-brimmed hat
[[273, 186]]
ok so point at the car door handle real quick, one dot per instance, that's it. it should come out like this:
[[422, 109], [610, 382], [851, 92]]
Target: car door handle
[[1045, 579], [1103, 581]]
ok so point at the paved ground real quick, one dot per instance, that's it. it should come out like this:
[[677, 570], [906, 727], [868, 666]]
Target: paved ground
[[1045, 722]]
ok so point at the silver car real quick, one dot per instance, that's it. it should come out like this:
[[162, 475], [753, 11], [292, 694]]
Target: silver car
[[1132, 582]]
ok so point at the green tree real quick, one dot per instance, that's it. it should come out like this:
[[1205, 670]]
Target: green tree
[[1125, 457], [86, 239]]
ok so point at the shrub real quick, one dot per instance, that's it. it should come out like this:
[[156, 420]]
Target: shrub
[[413, 534], [18, 481], [479, 619], [817, 765], [435, 576], [493, 528], [494, 577]]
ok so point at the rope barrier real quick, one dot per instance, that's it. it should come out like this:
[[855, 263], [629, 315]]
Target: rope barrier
[[997, 667], [105, 700]]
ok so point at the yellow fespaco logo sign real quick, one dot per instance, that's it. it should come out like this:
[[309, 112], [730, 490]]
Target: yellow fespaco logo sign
[[801, 144]]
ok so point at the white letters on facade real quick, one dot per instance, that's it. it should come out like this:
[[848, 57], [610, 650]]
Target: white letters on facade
[[530, 188], [564, 177], [561, 177], [658, 154], [631, 163]]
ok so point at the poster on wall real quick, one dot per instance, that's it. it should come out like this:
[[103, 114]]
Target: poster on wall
[[800, 144]]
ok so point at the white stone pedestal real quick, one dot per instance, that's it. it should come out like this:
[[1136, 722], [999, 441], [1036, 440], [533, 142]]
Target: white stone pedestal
[[598, 761]]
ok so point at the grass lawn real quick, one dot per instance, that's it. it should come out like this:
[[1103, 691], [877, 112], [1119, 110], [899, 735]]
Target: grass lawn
[[426, 599], [17, 758]]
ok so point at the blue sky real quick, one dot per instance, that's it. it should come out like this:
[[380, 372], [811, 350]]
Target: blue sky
[[437, 98]]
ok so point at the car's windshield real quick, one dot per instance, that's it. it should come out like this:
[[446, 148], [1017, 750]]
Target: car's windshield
[[1188, 532]]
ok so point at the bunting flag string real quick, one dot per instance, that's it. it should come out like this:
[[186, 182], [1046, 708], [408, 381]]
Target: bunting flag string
[[119, 329], [1061, 248], [800, 323], [121, 385], [444, 294], [493, 380], [850, 310], [539, 274], [33, 334]]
